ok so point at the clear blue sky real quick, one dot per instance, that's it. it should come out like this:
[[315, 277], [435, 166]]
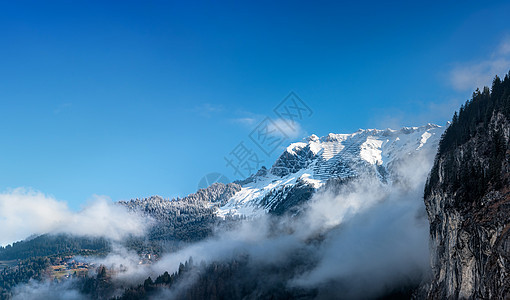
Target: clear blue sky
[[135, 98]]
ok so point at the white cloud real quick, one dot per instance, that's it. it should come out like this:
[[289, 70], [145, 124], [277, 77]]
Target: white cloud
[[374, 238], [245, 121], [289, 128], [477, 74], [34, 290], [24, 212], [504, 47], [208, 110], [438, 112], [277, 127]]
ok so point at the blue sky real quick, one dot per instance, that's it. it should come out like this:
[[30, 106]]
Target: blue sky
[[135, 98]]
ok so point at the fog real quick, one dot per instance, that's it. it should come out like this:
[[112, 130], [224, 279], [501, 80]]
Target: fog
[[358, 238], [25, 212], [35, 290]]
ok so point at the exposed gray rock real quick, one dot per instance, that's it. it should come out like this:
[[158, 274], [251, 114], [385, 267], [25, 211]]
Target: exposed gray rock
[[289, 163], [469, 235]]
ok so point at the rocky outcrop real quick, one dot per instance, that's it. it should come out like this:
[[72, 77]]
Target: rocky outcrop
[[467, 197], [306, 166], [293, 160]]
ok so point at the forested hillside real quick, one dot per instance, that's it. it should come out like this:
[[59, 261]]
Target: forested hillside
[[185, 219], [467, 197], [481, 115], [47, 245]]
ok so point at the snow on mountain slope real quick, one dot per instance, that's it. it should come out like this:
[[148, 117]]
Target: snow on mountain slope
[[306, 166]]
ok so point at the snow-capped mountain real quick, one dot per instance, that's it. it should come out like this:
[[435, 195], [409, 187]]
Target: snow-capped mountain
[[306, 166]]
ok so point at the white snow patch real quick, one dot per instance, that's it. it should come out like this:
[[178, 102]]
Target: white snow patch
[[424, 137], [371, 151]]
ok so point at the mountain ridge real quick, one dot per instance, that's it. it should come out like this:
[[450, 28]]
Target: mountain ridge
[[305, 166]]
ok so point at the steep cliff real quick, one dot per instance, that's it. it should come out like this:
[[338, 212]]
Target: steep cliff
[[467, 197]]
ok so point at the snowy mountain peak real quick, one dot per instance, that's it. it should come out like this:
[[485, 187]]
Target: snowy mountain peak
[[365, 144], [312, 138], [312, 162]]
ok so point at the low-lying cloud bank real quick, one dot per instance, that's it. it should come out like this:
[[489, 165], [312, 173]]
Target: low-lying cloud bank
[[24, 212], [358, 239], [372, 238], [361, 239], [35, 290]]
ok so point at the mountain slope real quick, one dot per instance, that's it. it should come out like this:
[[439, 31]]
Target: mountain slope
[[468, 200], [306, 166], [183, 219]]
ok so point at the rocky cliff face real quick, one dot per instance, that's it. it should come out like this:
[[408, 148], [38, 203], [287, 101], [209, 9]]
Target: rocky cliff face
[[468, 203], [304, 167]]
